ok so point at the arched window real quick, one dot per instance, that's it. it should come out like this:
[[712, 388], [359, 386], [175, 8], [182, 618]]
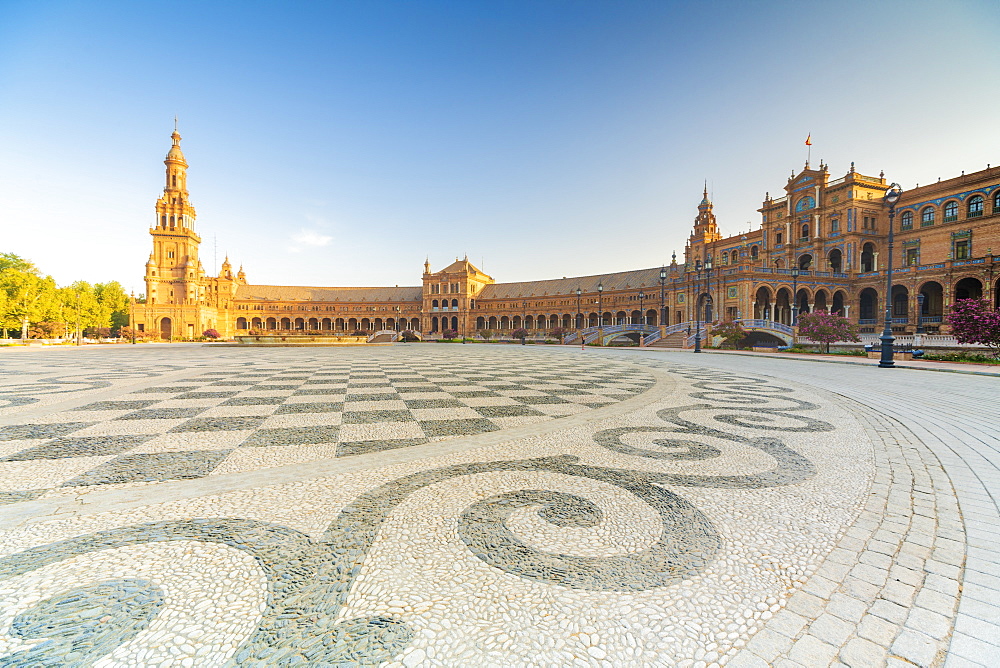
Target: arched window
[[754, 252], [163, 221], [906, 220], [171, 221], [735, 257], [805, 231], [777, 238], [454, 303], [805, 203], [927, 216], [434, 304], [951, 211], [975, 206], [996, 202]]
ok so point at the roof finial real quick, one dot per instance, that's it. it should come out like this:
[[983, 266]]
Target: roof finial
[[705, 191]]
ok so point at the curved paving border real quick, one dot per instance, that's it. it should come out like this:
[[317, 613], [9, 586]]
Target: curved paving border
[[890, 588], [952, 419]]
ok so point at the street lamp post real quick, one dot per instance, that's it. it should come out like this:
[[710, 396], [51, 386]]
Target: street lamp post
[[891, 198], [524, 318], [579, 314], [920, 313], [663, 303], [642, 315], [600, 306], [79, 333], [131, 316], [697, 309], [795, 296]]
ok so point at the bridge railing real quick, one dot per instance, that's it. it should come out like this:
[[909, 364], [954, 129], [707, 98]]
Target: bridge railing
[[393, 335], [766, 324]]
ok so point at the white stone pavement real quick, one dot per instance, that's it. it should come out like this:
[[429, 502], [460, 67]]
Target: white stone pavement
[[493, 505]]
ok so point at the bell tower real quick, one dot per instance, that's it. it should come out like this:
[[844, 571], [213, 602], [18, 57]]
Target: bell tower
[[173, 270], [706, 230]]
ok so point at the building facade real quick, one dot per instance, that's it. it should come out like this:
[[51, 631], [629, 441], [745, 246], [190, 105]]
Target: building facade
[[821, 245]]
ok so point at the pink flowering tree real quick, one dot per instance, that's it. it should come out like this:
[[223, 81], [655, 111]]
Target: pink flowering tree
[[973, 321], [823, 327], [731, 332]]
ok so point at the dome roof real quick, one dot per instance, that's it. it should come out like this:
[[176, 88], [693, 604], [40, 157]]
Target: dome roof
[[175, 154]]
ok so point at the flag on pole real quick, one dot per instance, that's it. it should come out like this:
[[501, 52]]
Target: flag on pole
[[809, 139]]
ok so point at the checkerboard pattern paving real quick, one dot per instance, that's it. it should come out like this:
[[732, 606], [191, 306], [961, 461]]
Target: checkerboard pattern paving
[[258, 416]]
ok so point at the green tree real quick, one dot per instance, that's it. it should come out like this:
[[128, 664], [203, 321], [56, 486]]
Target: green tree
[[115, 302], [11, 261], [823, 327], [29, 298], [81, 308]]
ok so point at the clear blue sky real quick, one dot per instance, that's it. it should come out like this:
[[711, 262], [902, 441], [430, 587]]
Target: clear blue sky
[[339, 143]]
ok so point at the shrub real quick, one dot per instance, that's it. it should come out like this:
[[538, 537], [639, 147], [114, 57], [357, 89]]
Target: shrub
[[450, 334], [487, 334], [519, 333], [210, 334], [558, 332]]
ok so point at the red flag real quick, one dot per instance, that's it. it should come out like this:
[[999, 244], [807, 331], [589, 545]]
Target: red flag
[[809, 139]]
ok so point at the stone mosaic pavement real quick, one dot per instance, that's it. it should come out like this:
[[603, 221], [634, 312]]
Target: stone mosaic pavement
[[473, 505]]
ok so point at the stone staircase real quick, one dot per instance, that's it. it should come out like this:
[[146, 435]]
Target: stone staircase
[[675, 340]]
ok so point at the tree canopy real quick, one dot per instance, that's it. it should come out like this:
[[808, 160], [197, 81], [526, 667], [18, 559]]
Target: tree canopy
[[35, 305]]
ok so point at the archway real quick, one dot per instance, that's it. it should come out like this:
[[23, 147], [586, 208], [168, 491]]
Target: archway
[[868, 257], [783, 307], [805, 261], [868, 306], [821, 301], [651, 316], [241, 323], [838, 303], [900, 303], [705, 308], [802, 300], [762, 304], [167, 329], [836, 260], [969, 288]]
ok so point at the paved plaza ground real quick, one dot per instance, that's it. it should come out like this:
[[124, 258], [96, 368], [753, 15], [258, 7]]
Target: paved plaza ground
[[493, 505]]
